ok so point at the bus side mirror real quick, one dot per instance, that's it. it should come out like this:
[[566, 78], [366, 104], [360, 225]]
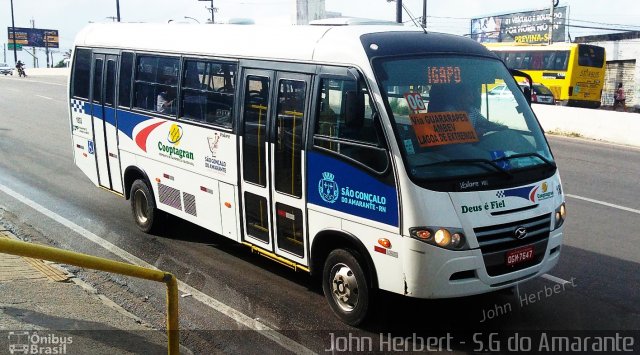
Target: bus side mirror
[[527, 89], [527, 94], [354, 110]]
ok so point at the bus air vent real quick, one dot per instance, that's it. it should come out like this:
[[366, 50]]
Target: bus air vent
[[169, 196], [189, 204]]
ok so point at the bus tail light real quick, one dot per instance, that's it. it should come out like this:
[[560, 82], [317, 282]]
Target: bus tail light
[[570, 90], [448, 238]]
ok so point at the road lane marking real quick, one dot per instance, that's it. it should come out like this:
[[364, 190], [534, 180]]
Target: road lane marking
[[46, 97], [262, 329], [35, 81], [604, 203], [555, 279]]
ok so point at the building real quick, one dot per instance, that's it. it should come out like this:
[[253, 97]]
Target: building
[[309, 10], [623, 54]]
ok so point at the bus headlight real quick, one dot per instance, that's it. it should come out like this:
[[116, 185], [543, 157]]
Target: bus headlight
[[448, 238], [442, 238], [560, 215]]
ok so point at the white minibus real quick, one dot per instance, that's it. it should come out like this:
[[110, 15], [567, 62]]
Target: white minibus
[[371, 156]]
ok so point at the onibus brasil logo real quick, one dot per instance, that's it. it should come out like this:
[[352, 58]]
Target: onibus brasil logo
[[327, 188]]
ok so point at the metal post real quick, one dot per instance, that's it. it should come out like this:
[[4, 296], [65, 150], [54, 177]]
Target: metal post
[[118, 9], [424, 14], [13, 29], [46, 46], [35, 58], [399, 11], [551, 23], [173, 323]]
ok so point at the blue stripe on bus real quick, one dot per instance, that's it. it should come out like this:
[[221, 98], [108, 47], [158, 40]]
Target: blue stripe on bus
[[334, 184], [110, 116], [96, 111], [127, 121]]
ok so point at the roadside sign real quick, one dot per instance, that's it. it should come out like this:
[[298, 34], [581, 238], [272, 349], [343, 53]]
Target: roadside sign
[[10, 46], [33, 37]]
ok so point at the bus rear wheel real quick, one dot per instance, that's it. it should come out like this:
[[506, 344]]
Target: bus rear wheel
[[143, 207], [345, 286]]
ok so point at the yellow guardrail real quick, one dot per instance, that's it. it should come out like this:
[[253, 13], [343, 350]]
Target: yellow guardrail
[[35, 251]]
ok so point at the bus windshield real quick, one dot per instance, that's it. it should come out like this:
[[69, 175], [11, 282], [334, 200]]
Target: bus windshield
[[460, 117]]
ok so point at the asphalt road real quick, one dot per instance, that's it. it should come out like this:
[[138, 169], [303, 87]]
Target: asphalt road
[[600, 257]]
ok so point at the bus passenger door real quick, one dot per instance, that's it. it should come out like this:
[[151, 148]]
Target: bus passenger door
[[273, 116], [255, 180], [104, 121], [287, 166]]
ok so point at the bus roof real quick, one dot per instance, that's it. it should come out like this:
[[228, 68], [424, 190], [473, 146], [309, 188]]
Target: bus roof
[[330, 44]]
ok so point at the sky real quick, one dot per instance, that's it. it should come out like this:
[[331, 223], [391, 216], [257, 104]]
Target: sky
[[450, 16]]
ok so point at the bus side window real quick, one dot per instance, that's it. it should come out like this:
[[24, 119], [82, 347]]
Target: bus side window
[[126, 69], [156, 82], [208, 91], [81, 73], [355, 135]]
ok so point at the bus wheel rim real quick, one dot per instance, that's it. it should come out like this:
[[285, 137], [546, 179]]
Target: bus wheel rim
[[141, 207], [344, 287]]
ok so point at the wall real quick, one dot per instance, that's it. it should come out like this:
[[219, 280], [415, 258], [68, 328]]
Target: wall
[[623, 50], [606, 125]]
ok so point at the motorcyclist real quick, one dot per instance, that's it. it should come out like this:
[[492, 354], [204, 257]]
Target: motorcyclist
[[20, 68]]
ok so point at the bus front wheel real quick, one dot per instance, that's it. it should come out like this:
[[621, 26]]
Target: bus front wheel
[[345, 286], [143, 206]]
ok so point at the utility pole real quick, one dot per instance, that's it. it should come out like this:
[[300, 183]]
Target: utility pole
[[35, 60], [553, 4], [399, 11], [212, 9], [13, 29], [46, 47], [424, 14], [118, 9]]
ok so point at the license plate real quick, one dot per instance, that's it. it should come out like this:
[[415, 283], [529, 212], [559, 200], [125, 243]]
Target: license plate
[[520, 255]]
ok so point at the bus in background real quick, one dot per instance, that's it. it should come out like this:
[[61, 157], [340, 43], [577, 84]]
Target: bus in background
[[573, 72], [366, 155]]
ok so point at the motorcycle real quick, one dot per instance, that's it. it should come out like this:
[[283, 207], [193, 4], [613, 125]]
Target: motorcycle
[[21, 72]]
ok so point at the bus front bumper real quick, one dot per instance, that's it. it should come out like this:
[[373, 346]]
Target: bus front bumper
[[433, 272]]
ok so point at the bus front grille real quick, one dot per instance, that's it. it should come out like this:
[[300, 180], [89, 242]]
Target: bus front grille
[[496, 241]]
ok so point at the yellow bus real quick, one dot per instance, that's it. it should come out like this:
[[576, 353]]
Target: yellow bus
[[574, 72]]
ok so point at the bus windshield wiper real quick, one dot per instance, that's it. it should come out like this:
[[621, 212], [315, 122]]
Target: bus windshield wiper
[[528, 155], [497, 167]]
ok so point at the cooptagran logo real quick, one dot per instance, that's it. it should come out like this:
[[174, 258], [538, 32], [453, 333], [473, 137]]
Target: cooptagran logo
[[172, 151], [528, 192], [327, 188]]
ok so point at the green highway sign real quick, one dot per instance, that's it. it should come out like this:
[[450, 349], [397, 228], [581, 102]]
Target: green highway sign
[[10, 46]]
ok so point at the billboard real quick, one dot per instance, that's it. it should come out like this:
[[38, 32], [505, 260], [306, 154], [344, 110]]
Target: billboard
[[522, 27], [34, 37]]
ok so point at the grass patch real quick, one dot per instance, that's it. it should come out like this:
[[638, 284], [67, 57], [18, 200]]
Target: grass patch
[[557, 132]]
